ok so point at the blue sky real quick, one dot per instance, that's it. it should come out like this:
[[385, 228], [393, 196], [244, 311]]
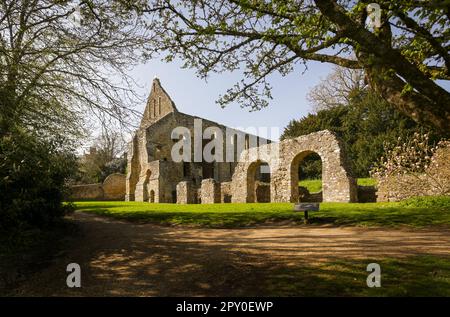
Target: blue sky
[[195, 96]]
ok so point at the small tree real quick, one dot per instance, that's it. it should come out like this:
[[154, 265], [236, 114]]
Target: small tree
[[56, 71], [337, 89], [106, 157], [414, 168]]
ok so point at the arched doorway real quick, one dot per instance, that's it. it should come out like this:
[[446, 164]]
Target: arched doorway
[[258, 182], [306, 177], [174, 196]]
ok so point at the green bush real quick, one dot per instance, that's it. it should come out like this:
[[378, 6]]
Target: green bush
[[428, 201], [310, 167], [363, 125], [33, 171]]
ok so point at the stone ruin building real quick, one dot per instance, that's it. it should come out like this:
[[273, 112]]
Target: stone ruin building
[[265, 171]]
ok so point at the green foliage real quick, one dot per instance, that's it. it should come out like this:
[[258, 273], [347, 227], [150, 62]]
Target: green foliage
[[402, 58], [310, 167], [32, 177], [428, 201], [95, 167], [315, 185], [364, 125], [55, 75], [367, 181], [312, 185], [105, 157]]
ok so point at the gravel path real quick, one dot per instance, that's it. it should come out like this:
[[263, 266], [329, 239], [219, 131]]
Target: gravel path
[[127, 259]]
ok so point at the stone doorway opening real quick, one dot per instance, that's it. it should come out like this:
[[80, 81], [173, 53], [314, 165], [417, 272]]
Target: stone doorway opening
[[306, 177], [258, 182]]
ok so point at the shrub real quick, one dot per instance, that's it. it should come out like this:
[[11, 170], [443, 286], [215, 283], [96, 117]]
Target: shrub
[[428, 202], [32, 180], [413, 168]]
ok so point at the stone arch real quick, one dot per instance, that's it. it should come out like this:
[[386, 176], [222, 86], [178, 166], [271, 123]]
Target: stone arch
[[294, 170], [337, 183]]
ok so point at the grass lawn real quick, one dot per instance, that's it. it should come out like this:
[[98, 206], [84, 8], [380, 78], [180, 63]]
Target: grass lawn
[[315, 185], [418, 212], [312, 185], [421, 275]]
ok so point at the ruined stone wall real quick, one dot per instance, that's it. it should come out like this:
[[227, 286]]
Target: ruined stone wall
[[186, 193], [133, 169], [153, 176], [170, 175], [284, 158], [210, 191], [149, 184], [225, 192], [86, 192], [154, 143], [223, 171], [113, 188]]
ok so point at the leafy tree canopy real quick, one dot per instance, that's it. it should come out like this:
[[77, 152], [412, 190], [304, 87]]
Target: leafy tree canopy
[[364, 125], [402, 57], [60, 60]]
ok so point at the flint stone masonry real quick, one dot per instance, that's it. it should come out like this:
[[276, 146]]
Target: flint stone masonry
[[284, 158], [151, 172], [210, 191], [186, 193], [153, 176], [225, 192]]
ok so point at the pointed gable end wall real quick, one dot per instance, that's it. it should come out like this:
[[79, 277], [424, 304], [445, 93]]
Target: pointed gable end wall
[[158, 105]]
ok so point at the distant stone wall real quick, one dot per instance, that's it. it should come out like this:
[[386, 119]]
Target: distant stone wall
[[113, 188], [86, 192], [435, 180], [405, 186]]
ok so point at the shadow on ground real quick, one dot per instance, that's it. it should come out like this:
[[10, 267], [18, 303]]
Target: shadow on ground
[[128, 259]]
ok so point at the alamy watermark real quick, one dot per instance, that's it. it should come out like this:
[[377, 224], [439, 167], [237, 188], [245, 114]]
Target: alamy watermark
[[215, 144], [373, 15], [374, 278], [74, 277]]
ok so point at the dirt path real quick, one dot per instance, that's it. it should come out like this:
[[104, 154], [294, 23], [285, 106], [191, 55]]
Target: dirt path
[[121, 258]]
